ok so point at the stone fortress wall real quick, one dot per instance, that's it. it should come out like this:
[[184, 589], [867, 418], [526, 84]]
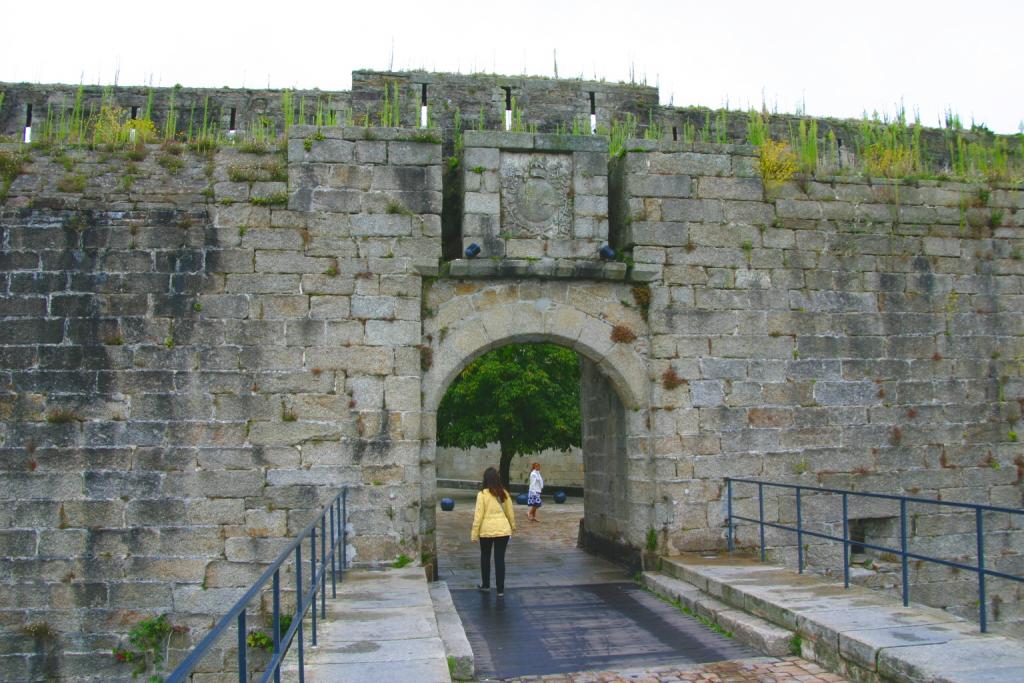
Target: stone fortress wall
[[197, 350]]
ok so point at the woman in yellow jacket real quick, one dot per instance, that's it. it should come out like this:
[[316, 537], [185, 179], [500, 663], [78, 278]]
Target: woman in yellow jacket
[[493, 523]]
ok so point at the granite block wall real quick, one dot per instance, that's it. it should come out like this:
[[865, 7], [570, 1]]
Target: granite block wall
[[840, 332], [190, 369]]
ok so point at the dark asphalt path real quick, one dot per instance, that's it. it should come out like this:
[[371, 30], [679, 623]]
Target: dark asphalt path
[[579, 628], [564, 610]]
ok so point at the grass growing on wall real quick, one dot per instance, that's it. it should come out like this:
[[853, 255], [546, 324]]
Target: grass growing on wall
[[804, 142], [111, 128], [890, 148], [621, 131], [390, 115]]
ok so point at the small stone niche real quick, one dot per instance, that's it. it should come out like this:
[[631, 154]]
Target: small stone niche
[[535, 197]]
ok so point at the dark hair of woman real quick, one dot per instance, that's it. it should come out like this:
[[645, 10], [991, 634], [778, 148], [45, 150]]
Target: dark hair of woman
[[492, 482]]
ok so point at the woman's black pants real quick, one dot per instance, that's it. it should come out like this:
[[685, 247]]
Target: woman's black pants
[[499, 543]]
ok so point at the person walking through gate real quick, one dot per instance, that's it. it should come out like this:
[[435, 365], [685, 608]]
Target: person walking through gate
[[494, 521], [533, 495]]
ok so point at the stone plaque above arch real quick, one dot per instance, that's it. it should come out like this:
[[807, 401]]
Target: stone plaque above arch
[[534, 197]]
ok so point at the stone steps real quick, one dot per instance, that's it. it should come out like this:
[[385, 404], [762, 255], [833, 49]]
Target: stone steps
[[746, 628], [854, 632]]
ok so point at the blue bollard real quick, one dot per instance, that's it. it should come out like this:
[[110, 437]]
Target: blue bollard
[[559, 497], [447, 504]]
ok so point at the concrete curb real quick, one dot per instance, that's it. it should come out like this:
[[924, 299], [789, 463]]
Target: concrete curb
[[453, 634]]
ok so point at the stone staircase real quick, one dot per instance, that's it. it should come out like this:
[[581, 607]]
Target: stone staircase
[[748, 629], [855, 632]]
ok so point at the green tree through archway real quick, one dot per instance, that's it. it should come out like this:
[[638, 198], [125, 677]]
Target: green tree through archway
[[524, 397]]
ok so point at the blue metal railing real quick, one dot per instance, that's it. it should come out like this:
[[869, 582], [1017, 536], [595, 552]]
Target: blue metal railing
[[335, 514], [904, 553]]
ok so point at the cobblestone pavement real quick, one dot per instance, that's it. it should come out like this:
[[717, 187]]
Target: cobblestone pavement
[[761, 670]]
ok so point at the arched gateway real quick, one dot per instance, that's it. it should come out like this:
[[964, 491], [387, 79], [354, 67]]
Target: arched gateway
[[472, 317]]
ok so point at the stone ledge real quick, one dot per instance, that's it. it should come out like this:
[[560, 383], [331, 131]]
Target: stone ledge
[[560, 269], [855, 632], [371, 133], [548, 142], [642, 145]]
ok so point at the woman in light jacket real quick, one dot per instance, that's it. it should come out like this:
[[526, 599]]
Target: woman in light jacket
[[493, 523]]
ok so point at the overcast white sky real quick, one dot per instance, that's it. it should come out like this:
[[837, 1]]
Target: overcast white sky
[[832, 58]]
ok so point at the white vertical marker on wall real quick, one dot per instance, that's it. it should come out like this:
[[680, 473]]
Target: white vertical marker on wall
[[423, 106], [508, 107], [593, 115]]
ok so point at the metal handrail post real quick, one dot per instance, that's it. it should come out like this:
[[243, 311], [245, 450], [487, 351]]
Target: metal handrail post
[[982, 612], [760, 515], [312, 581], [334, 546], [903, 553], [242, 666], [846, 542], [728, 506], [298, 612], [799, 534], [277, 624], [344, 532], [323, 567]]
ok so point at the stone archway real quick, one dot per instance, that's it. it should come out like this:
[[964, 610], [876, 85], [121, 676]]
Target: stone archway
[[480, 316]]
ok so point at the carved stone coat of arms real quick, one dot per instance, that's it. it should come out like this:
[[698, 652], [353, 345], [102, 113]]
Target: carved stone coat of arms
[[536, 201]]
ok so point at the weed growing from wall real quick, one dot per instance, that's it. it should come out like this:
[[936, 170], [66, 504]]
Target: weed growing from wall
[[805, 142], [621, 131], [390, 115], [12, 164], [148, 644], [777, 164]]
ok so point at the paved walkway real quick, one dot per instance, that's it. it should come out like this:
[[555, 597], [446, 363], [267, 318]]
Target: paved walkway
[[540, 554], [566, 610], [380, 628], [556, 629]]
